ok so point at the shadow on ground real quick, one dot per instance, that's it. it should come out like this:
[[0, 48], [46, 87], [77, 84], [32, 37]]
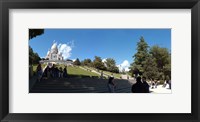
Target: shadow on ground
[[79, 84]]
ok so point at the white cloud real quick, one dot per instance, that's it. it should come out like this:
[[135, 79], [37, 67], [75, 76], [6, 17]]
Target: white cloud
[[104, 60], [65, 50], [124, 65]]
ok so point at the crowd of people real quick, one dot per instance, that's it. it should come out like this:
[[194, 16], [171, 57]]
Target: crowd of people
[[51, 72], [141, 86]]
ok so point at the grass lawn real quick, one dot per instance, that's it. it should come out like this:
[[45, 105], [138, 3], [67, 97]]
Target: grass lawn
[[116, 75], [35, 67], [71, 70], [78, 71]]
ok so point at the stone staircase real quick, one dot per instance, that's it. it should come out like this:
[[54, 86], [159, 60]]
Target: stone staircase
[[79, 85]]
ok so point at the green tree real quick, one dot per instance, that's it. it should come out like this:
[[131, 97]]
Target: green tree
[[77, 62], [35, 32], [163, 60], [97, 63], [115, 69], [87, 62], [111, 65], [150, 68], [140, 56], [167, 69], [161, 55], [31, 55], [153, 64], [34, 58]]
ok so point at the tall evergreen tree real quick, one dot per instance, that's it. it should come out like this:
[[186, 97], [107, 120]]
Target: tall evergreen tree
[[140, 57]]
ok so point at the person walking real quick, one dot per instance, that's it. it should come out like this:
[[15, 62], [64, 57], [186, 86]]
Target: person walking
[[111, 84], [39, 72], [60, 72], [65, 72]]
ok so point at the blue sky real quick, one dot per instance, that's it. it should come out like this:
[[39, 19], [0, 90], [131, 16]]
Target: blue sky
[[119, 44]]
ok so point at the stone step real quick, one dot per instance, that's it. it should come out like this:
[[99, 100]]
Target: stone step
[[77, 85], [79, 90]]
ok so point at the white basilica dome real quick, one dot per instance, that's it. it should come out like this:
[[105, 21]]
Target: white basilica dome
[[54, 48]]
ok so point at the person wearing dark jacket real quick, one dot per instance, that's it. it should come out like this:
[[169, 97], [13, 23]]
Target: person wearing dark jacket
[[65, 72], [138, 87], [145, 84], [111, 85]]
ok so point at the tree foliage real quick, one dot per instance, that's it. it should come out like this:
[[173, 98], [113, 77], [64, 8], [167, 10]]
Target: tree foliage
[[137, 66], [77, 62], [161, 55], [153, 63], [33, 57], [163, 61], [97, 63], [87, 62], [111, 65], [35, 32], [150, 68], [167, 68]]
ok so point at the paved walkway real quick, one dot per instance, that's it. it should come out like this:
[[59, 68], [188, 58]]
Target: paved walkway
[[161, 90]]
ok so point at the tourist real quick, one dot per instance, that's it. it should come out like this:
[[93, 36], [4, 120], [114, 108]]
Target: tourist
[[156, 83], [48, 72], [65, 72], [39, 72], [111, 84], [60, 72], [138, 87], [165, 84], [57, 72], [44, 74], [169, 82], [53, 71], [152, 84], [145, 84], [101, 74]]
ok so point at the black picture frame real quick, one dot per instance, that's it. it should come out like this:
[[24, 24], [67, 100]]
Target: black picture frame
[[5, 5]]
